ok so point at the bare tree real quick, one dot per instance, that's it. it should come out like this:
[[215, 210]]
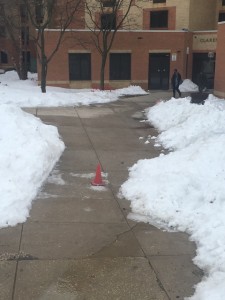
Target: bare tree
[[104, 19], [45, 14]]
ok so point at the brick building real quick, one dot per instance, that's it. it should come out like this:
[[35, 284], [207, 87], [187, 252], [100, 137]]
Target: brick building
[[17, 49], [156, 37], [219, 82]]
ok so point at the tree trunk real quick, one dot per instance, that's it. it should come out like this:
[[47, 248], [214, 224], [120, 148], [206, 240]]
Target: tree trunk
[[43, 73], [44, 63], [23, 54], [102, 72], [23, 67]]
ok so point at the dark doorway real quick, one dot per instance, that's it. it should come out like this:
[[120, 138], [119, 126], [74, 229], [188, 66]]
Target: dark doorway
[[204, 62], [159, 68]]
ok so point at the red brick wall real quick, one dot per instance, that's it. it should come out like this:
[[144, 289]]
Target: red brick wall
[[6, 45], [139, 44], [219, 81]]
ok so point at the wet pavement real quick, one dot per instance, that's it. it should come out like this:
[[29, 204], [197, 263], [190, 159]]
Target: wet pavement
[[78, 243]]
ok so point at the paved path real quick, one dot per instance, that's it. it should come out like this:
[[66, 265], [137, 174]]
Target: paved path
[[78, 242]]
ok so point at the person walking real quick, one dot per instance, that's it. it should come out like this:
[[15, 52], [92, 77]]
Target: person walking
[[202, 82], [175, 82]]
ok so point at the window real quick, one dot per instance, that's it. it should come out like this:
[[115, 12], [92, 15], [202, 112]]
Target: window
[[159, 19], [108, 21], [221, 17], [79, 66], [159, 1], [120, 66], [25, 35], [108, 3], [23, 13], [2, 31], [4, 57], [39, 11], [223, 2]]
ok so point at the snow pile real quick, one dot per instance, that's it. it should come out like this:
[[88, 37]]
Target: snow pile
[[55, 96], [188, 86], [185, 189], [29, 151]]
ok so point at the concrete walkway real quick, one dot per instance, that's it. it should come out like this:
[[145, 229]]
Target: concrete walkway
[[78, 243]]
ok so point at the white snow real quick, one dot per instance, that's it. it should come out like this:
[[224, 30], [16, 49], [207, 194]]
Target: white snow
[[29, 148], [185, 189], [188, 86], [29, 95], [29, 151]]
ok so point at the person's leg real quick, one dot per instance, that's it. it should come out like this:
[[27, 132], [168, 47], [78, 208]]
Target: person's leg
[[174, 92], [179, 92]]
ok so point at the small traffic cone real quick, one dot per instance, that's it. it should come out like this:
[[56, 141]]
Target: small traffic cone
[[98, 177]]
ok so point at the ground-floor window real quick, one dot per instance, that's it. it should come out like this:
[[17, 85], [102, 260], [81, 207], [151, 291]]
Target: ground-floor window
[[120, 66], [4, 57], [80, 66]]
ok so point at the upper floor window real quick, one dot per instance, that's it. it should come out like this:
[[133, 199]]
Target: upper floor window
[[108, 3], [159, 1], [39, 11], [221, 17], [108, 21], [23, 13], [159, 19], [223, 2], [4, 57]]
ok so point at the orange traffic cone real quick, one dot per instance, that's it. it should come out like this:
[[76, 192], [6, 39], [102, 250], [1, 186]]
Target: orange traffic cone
[[98, 177]]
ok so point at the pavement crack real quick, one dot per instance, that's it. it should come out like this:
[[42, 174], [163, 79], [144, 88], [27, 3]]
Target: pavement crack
[[125, 245], [16, 256]]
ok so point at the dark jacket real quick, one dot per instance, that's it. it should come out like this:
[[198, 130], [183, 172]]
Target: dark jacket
[[176, 79]]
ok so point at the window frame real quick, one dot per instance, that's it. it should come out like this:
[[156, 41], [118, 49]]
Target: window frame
[[159, 1], [110, 22], [79, 66], [154, 18], [4, 57], [23, 13], [39, 11], [221, 14], [108, 3], [120, 66]]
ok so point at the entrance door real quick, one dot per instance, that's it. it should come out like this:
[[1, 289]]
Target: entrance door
[[159, 67], [202, 62]]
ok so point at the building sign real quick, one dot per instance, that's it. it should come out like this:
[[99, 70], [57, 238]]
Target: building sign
[[174, 57], [205, 42]]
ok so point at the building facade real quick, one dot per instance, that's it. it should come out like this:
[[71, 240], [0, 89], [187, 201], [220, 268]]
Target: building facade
[[155, 37], [17, 49]]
